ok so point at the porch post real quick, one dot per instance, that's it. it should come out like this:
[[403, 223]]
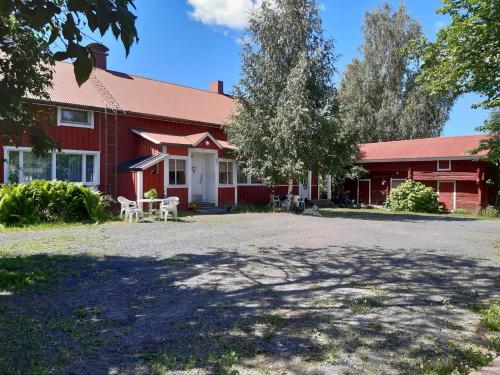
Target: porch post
[[235, 181], [309, 183], [165, 171], [139, 187], [329, 187]]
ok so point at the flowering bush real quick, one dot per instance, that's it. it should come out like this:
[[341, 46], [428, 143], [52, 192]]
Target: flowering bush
[[413, 196]]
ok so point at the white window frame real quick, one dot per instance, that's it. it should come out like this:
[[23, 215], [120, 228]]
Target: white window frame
[[167, 178], [396, 179], [89, 125], [232, 166], [369, 190], [249, 178], [82, 153], [443, 169]]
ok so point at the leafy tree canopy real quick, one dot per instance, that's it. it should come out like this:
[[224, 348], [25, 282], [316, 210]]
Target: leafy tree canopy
[[465, 56], [379, 95], [286, 121], [34, 34], [492, 144]]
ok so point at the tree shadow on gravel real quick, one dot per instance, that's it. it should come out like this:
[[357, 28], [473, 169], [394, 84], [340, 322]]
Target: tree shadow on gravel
[[270, 309]]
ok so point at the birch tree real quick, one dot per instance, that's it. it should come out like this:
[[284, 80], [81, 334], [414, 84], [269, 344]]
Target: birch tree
[[286, 121], [380, 97]]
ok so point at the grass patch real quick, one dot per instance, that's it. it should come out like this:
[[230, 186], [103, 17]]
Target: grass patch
[[19, 272], [456, 360], [490, 317], [381, 213], [274, 320], [364, 305], [251, 208]]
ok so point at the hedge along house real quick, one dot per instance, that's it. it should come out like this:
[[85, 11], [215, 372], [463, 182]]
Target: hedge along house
[[445, 164], [126, 134]]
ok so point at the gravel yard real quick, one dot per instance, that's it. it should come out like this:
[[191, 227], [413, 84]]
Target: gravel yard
[[253, 293]]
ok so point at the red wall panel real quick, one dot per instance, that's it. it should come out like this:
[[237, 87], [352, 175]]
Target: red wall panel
[[226, 196], [467, 195]]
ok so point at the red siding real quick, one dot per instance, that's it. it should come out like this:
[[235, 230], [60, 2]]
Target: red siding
[[226, 196], [260, 194], [153, 179], [467, 195]]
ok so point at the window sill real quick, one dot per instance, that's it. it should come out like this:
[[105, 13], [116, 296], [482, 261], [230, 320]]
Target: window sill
[[68, 124], [177, 187]]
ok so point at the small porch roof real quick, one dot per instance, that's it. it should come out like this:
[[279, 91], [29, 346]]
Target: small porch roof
[[191, 140], [142, 163]]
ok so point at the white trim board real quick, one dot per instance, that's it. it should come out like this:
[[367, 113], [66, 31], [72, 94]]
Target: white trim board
[[369, 190]]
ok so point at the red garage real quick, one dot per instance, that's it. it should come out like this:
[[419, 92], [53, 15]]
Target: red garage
[[445, 164]]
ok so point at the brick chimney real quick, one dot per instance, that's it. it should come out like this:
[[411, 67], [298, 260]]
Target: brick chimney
[[217, 87], [98, 54]]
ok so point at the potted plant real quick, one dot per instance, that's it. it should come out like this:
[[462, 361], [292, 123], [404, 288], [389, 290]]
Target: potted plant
[[151, 194]]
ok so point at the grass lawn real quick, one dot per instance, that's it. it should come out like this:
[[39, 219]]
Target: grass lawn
[[380, 212]]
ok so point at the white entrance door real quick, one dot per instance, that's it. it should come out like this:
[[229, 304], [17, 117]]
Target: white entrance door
[[198, 178], [203, 177], [303, 190]]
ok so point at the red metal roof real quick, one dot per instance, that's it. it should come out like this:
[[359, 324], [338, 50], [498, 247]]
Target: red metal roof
[[426, 148], [139, 95], [191, 140]]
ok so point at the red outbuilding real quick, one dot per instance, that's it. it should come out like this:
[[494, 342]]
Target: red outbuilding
[[445, 164]]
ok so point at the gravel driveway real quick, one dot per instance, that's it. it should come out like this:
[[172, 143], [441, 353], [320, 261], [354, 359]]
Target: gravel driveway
[[256, 293]]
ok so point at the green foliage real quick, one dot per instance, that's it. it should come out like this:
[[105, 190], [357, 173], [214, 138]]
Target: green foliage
[[464, 58], [490, 211], [492, 144], [379, 96], [35, 34], [413, 196], [151, 194], [49, 201], [19, 272], [286, 121], [490, 317]]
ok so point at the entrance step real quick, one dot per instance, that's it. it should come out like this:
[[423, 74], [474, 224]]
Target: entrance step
[[201, 204], [211, 211]]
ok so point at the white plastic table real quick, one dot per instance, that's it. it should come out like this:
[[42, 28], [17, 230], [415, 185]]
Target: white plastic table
[[150, 203]]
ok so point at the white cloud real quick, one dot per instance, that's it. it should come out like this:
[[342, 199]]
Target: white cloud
[[229, 13]]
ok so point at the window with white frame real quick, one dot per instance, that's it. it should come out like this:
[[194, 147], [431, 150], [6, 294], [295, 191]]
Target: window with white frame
[[444, 165], [225, 172], [177, 172], [244, 179], [75, 117], [395, 182], [22, 165]]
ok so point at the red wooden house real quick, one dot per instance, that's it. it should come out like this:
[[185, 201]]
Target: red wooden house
[[126, 134], [445, 164]]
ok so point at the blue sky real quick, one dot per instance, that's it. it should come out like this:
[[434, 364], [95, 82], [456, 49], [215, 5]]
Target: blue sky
[[192, 42]]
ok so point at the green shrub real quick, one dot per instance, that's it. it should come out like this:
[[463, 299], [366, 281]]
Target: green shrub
[[413, 196], [45, 201], [490, 211]]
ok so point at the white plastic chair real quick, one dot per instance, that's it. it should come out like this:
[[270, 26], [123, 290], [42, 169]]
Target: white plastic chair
[[129, 209], [299, 202], [169, 205]]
